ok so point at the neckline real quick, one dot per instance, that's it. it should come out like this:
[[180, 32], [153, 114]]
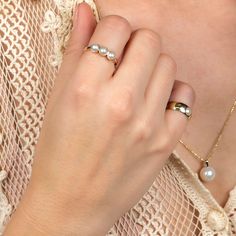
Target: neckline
[[203, 188]]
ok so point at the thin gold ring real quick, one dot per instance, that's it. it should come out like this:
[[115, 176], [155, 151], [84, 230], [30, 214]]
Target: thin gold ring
[[181, 107]]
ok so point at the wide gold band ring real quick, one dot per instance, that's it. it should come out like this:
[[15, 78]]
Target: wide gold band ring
[[103, 51], [181, 107]]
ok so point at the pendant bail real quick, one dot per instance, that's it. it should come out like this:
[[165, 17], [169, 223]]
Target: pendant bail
[[207, 163]]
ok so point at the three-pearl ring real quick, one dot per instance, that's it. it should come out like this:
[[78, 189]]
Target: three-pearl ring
[[103, 51], [181, 107]]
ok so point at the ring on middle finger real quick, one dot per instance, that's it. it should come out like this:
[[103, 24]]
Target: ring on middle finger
[[103, 51]]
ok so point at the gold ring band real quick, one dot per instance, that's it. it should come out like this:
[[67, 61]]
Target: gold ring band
[[181, 107], [102, 51]]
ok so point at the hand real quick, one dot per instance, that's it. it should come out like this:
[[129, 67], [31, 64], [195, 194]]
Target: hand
[[105, 136]]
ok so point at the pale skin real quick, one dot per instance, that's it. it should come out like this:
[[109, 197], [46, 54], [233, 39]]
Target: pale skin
[[201, 37], [62, 162]]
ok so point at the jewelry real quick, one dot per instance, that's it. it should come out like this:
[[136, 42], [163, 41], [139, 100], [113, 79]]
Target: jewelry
[[208, 173], [103, 51], [181, 107]]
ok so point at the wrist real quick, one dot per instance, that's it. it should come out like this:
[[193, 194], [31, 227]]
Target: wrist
[[32, 217], [21, 225], [41, 215]]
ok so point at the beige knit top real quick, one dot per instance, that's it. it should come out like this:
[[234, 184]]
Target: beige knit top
[[33, 35]]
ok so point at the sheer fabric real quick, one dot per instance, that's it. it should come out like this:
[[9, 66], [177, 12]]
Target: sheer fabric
[[33, 38]]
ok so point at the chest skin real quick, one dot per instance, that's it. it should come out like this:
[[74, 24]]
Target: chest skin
[[201, 37]]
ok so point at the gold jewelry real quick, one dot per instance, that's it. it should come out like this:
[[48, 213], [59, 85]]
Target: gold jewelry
[[103, 51], [181, 107], [207, 173]]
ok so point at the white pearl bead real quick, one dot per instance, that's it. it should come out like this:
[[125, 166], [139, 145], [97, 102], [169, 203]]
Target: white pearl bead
[[182, 109], [207, 174], [188, 111], [95, 47], [103, 51], [111, 55]]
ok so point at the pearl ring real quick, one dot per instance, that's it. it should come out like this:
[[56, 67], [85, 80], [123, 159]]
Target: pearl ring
[[103, 51]]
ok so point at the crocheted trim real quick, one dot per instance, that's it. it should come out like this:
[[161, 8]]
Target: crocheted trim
[[202, 197], [5, 207], [230, 208], [60, 25], [232, 200]]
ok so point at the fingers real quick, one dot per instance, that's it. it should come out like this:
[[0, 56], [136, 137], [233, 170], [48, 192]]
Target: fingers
[[176, 121], [159, 89], [139, 61], [112, 32]]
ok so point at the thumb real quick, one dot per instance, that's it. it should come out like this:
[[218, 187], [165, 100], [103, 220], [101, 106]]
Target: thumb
[[84, 23]]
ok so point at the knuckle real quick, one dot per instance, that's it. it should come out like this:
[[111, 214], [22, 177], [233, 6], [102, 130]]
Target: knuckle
[[121, 106], [164, 143], [161, 144], [168, 62], [152, 37], [84, 91], [142, 131], [118, 23]]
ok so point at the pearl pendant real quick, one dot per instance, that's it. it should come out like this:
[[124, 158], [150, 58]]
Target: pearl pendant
[[207, 173]]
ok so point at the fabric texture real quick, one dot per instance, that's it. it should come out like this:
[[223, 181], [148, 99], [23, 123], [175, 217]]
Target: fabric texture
[[33, 36]]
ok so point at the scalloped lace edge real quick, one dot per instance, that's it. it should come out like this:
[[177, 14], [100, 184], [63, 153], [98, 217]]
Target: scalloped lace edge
[[60, 25]]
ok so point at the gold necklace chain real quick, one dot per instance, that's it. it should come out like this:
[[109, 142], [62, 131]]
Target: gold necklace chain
[[216, 142]]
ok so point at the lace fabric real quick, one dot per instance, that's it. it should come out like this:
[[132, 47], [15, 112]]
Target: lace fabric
[[33, 39]]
